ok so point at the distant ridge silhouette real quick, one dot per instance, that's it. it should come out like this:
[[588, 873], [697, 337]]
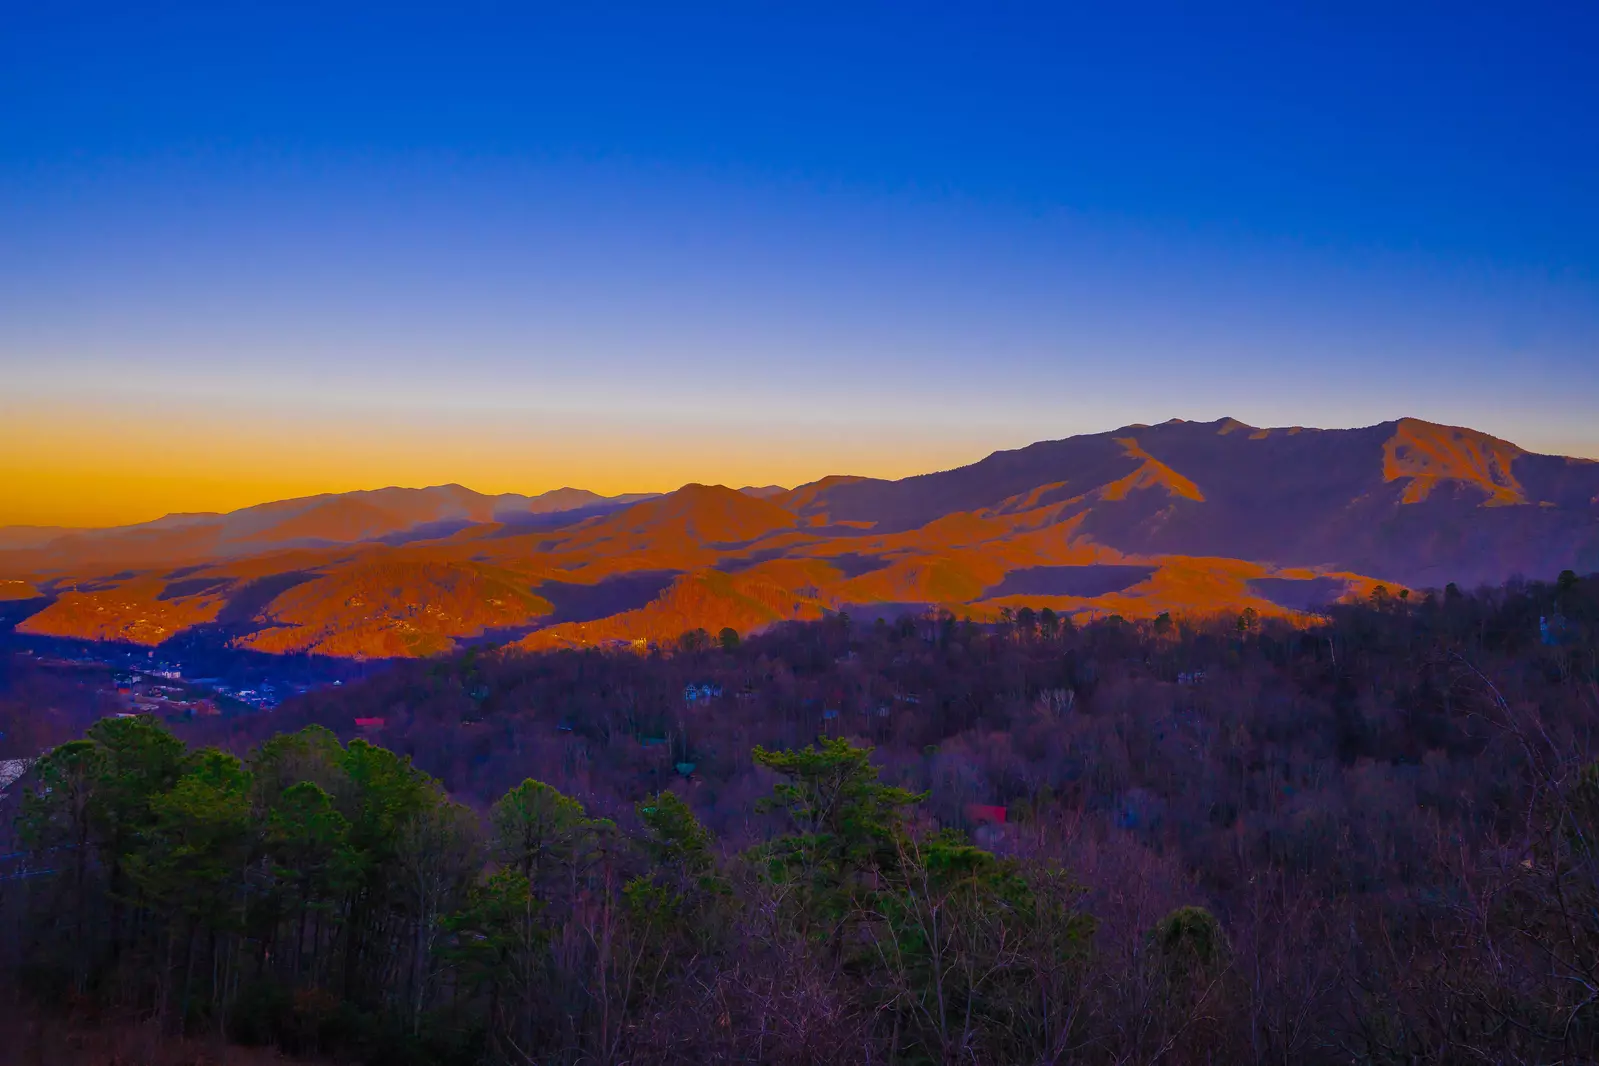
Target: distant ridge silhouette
[[1179, 517]]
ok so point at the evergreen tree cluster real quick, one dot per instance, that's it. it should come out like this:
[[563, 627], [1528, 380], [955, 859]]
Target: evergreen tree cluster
[[323, 896]]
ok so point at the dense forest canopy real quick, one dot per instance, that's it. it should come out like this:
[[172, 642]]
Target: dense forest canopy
[[1370, 840]]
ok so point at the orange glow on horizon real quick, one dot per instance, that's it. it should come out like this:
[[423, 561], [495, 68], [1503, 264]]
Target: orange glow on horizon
[[97, 463], [110, 466]]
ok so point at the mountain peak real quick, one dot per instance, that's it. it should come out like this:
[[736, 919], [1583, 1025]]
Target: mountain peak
[[1427, 453], [695, 513], [695, 491], [763, 492]]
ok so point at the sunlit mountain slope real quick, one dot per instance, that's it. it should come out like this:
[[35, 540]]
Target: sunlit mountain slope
[[1178, 517]]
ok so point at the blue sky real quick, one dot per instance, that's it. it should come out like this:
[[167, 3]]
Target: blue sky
[[519, 248]]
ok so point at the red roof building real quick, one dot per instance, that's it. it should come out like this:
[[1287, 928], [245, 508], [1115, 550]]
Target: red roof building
[[985, 814]]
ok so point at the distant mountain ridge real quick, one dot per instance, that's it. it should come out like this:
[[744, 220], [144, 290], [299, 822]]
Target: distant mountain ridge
[[307, 521], [1176, 517], [763, 492], [13, 538], [1410, 500]]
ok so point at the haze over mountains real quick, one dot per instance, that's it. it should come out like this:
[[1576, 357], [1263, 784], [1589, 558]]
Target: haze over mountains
[[1179, 517]]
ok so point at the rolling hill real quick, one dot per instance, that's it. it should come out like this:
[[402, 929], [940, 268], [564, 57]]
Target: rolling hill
[[309, 521], [1178, 517]]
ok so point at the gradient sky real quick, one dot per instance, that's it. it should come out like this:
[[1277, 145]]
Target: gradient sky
[[249, 252]]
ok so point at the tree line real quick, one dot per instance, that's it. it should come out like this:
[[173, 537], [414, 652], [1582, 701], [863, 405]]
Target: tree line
[[319, 895], [1228, 840]]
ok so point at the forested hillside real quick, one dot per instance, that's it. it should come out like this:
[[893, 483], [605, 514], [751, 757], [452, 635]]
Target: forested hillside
[[1369, 840], [1178, 518]]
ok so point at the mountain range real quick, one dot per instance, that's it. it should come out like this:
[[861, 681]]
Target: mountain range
[[1180, 517]]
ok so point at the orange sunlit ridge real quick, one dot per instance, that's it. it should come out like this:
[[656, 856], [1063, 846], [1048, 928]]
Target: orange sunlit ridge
[[1177, 518]]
